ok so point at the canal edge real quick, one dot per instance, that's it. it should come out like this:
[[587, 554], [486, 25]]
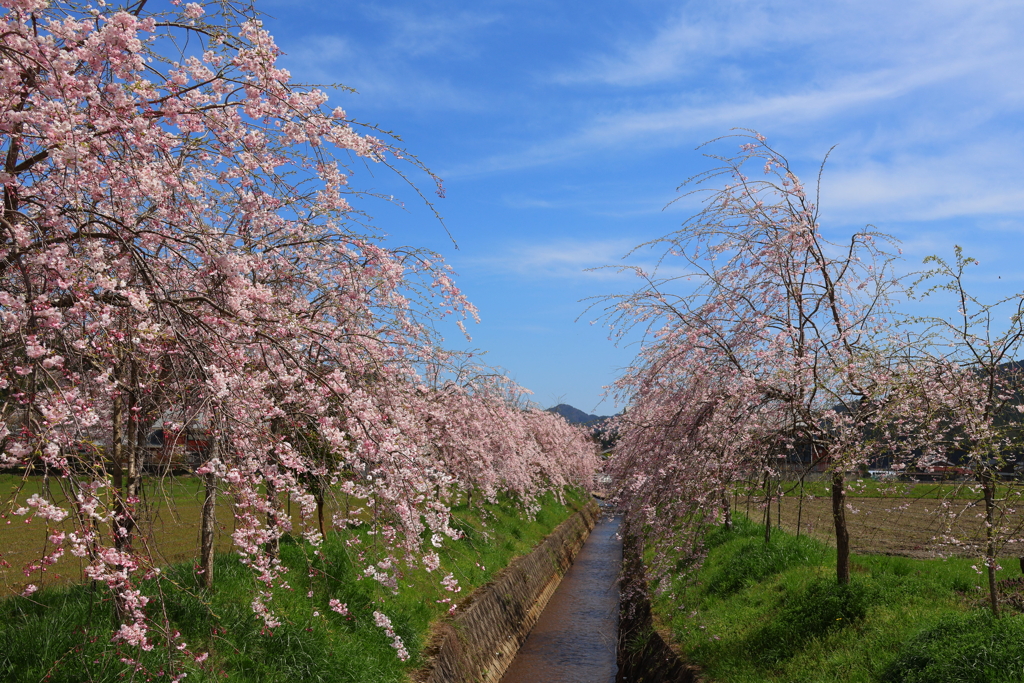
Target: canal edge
[[479, 643], [647, 651]]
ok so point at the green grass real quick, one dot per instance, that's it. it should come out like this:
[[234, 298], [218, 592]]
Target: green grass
[[62, 634], [775, 613], [171, 517]]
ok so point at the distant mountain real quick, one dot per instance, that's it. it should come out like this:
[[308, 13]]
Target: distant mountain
[[575, 415]]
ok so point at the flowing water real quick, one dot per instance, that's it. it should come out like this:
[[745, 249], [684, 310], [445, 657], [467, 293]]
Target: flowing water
[[575, 639]]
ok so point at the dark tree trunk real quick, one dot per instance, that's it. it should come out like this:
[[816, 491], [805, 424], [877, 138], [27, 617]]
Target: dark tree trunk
[[135, 454], [842, 532], [778, 510], [750, 494], [127, 456], [117, 457], [208, 528], [122, 454], [727, 509]]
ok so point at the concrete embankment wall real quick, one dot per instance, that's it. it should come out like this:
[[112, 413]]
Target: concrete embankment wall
[[480, 642], [647, 653]]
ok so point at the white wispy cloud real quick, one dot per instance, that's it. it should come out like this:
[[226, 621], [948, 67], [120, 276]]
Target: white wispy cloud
[[924, 99], [383, 81], [578, 260], [695, 35], [610, 202], [929, 73], [559, 259], [676, 124], [976, 178], [690, 37]]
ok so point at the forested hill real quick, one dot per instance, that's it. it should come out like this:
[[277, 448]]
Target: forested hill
[[575, 415]]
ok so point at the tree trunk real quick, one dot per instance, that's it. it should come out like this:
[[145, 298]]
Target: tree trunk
[[750, 495], [778, 510], [727, 508], [119, 523], [273, 545], [127, 462], [207, 533], [134, 456], [767, 509], [988, 487], [320, 511], [842, 533], [209, 520], [117, 455], [800, 505]]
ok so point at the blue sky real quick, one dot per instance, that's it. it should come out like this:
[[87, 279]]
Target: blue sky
[[563, 128]]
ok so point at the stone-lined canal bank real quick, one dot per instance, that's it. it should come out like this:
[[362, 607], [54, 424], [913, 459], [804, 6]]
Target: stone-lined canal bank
[[576, 638], [553, 616], [480, 643]]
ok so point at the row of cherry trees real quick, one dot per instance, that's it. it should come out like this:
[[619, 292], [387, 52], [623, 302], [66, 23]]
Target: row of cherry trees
[[778, 345], [177, 245]]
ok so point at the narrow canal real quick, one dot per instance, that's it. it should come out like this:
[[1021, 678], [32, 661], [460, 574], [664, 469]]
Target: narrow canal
[[575, 639]]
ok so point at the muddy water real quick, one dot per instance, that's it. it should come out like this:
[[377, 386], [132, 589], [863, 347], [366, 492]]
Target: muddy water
[[574, 641]]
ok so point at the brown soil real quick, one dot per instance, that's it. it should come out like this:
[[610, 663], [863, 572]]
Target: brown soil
[[912, 527]]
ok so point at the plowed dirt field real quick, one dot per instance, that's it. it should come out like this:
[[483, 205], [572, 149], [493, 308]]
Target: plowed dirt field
[[912, 527]]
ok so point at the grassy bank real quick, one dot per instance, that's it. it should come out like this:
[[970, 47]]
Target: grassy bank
[[62, 634], [774, 613]]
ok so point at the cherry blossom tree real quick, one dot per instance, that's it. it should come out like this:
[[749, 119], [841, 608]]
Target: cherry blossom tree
[[180, 242], [788, 322], [689, 435], [959, 401]]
